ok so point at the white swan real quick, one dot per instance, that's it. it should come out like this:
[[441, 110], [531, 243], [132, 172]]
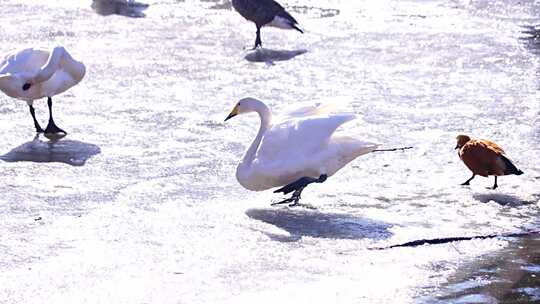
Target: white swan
[[297, 151], [32, 74]]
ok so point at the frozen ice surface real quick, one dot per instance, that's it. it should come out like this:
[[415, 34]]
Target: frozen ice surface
[[139, 203]]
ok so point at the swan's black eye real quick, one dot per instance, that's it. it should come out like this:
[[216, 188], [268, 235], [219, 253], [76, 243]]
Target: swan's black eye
[[26, 86]]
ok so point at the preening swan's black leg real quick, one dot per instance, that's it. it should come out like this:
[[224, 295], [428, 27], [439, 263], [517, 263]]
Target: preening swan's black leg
[[466, 183], [36, 123], [297, 186], [51, 126]]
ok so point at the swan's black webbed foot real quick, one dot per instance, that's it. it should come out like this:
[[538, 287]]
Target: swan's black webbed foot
[[285, 201], [52, 128], [297, 186], [295, 198], [301, 183]]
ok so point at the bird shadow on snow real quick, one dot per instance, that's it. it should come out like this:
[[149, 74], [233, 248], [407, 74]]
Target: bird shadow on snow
[[299, 223], [502, 199], [128, 8], [269, 56], [71, 152]]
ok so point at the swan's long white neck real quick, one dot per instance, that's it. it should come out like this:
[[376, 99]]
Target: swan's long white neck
[[75, 68], [266, 118], [51, 66]]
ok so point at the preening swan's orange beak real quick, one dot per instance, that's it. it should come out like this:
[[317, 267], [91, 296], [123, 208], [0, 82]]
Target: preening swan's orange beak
[[233, 113]]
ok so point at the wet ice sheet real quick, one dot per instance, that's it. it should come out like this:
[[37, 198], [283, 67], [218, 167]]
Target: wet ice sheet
[[157, 216], [509, 275]]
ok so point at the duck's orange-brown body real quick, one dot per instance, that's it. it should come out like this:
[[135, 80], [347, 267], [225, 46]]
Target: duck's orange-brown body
[[484, 157]]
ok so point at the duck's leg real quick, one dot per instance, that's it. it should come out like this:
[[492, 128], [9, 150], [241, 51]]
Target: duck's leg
[[51, 126], [36, 123], [495, 185], [258, 42], [466, 183], [297, 186]]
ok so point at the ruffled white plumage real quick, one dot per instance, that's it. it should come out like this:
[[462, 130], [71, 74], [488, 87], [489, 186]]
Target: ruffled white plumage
[[32, 74], [49, 73], [302, 145], [318, 107]]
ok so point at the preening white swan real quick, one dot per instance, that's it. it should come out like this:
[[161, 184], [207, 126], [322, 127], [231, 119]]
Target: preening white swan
[[297, 151], [32, 74]]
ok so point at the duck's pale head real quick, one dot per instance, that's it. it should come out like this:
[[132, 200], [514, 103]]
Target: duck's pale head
[[462, 140]]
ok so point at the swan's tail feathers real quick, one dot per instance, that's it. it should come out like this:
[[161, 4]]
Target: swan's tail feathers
[[393, 149], [510, 168], [354, 148], [366, 148]]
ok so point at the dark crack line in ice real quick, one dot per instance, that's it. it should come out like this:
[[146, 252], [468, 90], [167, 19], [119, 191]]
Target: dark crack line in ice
[[438, 241]]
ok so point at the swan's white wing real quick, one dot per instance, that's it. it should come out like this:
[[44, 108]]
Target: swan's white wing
[[27, 62], [296, 139], [302, 147], [313, 108], [15, 69]]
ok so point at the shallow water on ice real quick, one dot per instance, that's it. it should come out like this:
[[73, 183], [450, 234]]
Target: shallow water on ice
[[139, 204]]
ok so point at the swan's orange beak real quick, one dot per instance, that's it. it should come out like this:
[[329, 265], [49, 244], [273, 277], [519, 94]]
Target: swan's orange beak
[[233, 113]]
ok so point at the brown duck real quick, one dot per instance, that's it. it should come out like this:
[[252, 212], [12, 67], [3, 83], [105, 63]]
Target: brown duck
[[484, 157]]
